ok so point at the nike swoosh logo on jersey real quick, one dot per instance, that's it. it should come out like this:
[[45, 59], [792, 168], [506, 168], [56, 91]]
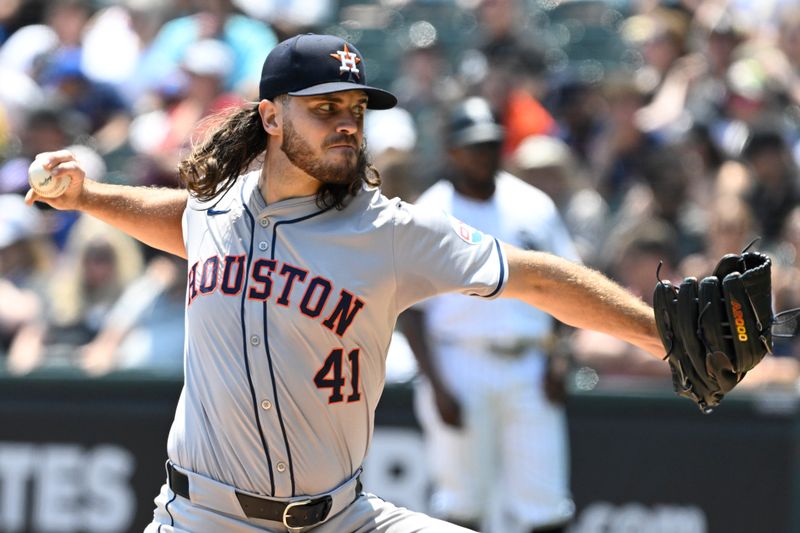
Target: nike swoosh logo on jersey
[[212, 212]]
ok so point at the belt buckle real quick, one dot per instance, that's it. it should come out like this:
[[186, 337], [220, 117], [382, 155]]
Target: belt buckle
[[511, 350], [326, 500]]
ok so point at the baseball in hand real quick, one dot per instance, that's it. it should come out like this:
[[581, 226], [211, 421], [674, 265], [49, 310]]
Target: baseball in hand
[[45, 184]]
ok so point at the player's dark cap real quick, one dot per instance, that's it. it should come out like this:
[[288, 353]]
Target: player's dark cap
[[311, 64], [472, 122]]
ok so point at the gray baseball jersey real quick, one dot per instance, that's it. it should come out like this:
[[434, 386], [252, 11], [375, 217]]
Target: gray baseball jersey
[[290, 313]]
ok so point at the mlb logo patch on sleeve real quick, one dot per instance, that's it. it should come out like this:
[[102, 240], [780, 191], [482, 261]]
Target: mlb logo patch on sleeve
[[467, 233]]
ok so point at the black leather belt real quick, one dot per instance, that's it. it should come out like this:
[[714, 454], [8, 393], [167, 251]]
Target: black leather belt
[[296, 514]]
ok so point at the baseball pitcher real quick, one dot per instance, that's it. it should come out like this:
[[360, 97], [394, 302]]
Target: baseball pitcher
[[297, 270]]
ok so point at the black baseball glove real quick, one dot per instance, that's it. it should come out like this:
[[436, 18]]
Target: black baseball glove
[[716, 330]]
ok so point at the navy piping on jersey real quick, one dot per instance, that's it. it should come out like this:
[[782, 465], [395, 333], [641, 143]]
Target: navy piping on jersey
[[244, 349], [269, 354], [502, 270], [166, 508]]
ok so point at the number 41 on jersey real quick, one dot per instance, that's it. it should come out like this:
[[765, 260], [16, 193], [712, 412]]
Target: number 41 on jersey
[[330, 375]]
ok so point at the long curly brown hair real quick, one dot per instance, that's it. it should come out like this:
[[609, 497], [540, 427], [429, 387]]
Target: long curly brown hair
[[238, 140]]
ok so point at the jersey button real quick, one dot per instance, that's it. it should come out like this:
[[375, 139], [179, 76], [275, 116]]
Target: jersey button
[[281, 467], [264, 222], [255, 340], [263, 245], [266, 404]]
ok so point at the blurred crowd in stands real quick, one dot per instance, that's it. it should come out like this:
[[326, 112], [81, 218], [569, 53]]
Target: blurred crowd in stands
[[665, 131]]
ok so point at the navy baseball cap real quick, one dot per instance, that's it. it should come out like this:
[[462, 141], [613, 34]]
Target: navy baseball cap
[[310, 64]]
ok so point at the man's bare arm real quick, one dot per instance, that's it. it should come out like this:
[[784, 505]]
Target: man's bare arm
[[151, 215], [580, 297]]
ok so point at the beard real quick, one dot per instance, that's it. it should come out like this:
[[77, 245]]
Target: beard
[[346, 173]]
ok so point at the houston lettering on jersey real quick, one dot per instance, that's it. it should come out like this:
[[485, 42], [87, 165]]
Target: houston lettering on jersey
[[270, 277]]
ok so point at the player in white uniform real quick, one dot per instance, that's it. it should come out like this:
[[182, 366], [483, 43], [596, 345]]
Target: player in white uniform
[[490, 358], [297, 273]]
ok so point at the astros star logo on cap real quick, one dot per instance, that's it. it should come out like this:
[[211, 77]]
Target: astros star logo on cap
[[349, 60], [299, 66]]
